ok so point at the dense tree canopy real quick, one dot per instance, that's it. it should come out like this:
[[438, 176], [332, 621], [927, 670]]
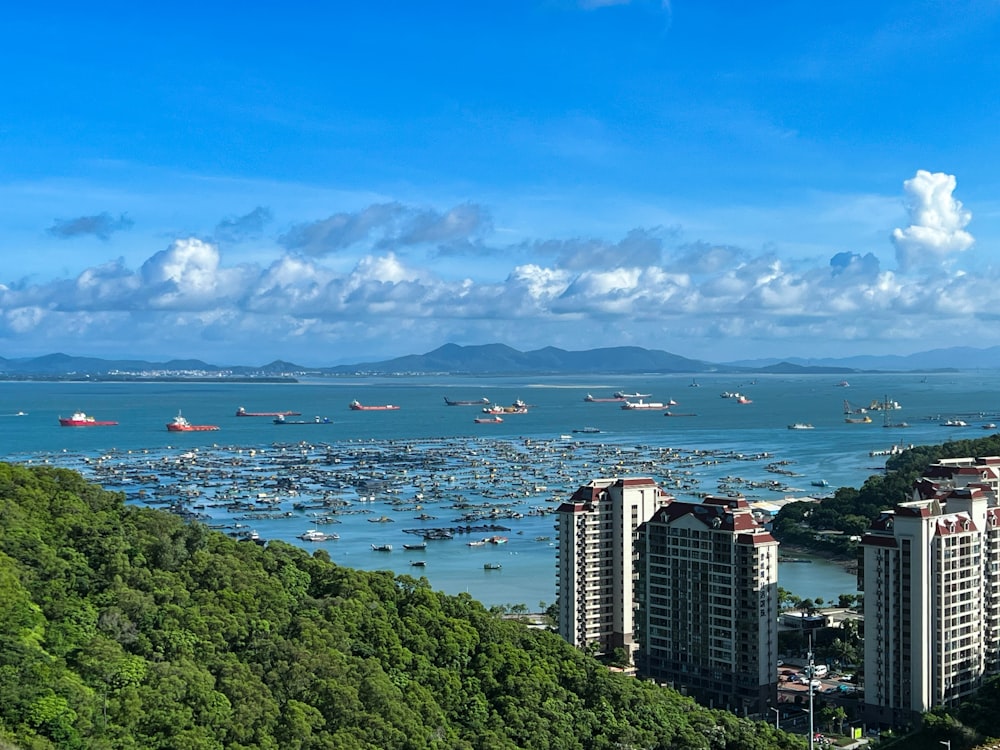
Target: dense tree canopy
[[125, 627]]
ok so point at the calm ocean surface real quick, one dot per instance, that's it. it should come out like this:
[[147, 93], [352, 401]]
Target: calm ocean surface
[[392, 474]]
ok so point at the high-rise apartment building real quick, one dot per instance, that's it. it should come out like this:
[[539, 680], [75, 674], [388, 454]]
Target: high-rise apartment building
[[931, 581], [596, 560], [707, 616]]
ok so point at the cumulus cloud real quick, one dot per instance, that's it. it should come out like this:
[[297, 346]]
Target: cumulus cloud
[[102, 226], [638, 249], [189, 275], [854, 264], [937, 229], [704, 258], [243, 228], [644, 289]]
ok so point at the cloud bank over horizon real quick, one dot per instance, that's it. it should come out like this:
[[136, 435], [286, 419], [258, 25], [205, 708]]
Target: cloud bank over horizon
[[392, 279]]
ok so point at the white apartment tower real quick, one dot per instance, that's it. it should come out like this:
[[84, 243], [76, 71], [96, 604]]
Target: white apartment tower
[[596, 560], [931, 579], [707, 622]]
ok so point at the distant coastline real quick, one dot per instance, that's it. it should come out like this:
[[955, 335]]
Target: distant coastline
[[501, 360], [149, 378]]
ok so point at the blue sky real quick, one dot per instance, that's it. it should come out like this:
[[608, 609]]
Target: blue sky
[[330, 183]]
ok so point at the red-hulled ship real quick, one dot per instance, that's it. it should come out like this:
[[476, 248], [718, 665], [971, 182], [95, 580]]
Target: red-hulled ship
[[241, 412], [180, 424], [79, 419], [358, 406]]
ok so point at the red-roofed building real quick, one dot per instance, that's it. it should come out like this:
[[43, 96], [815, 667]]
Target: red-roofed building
[[596, 560], [707, 620], [931, 582]]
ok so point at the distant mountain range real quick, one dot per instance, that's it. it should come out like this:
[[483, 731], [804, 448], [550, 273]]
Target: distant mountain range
[[498, 359]]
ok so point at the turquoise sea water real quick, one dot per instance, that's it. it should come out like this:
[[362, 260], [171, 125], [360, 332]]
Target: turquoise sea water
[[430, 459]]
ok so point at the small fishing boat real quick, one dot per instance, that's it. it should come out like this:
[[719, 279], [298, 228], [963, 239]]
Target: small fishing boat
[[314, 535], [492, 566], [382, 548]]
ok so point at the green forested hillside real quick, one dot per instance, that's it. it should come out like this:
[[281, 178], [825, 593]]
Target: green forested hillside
[[124, 627]]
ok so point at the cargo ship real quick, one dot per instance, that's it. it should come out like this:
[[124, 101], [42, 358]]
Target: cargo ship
[[358, 406], [477, 402], [593, 400], [180, 424], [241, 412], [79, 419], [280, 419], [640, 404]]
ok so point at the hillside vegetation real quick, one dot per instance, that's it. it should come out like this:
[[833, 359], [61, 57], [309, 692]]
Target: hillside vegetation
[[124, 627]]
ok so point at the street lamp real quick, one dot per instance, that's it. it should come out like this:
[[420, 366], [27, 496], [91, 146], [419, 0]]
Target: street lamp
[[810, 672], [777, 718]]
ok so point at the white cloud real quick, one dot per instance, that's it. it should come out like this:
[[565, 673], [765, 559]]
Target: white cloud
[[189, 299], [386, 226], [938, 221], [188, 275]]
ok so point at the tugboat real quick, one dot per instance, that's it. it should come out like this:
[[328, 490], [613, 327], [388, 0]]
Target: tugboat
[[180, 424], [80, 419]]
